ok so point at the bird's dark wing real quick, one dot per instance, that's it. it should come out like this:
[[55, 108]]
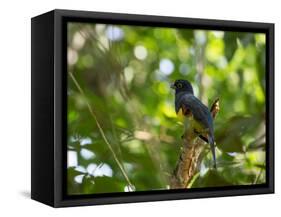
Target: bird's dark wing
[[199, 111], [201, 114]]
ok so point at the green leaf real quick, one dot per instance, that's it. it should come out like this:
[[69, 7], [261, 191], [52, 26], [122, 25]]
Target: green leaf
[[229, 136], [211, 179], [102, 185]]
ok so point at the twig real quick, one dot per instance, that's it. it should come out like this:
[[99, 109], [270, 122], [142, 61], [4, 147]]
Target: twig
[[101, 130], [258, 176]]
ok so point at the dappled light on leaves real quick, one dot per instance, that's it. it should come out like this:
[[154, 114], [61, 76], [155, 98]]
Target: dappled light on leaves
[[122, 75]]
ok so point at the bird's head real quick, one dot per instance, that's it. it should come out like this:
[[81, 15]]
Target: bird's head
[[182, 86]]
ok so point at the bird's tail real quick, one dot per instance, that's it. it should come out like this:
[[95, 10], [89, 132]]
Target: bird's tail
[[212, 144]]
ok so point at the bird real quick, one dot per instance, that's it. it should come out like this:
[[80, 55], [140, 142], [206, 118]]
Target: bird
[[197, 115]]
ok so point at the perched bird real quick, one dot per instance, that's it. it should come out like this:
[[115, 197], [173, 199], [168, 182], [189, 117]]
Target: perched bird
[[198, 116]]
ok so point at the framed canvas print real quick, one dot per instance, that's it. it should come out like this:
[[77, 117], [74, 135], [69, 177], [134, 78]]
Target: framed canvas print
[[130, 108]]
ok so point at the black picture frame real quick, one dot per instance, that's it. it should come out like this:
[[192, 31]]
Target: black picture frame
[[49, 122]]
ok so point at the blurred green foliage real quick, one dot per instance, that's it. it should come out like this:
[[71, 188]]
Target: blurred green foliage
[[125, 73]]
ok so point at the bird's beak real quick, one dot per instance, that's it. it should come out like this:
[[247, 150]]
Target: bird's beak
[[172, 86]]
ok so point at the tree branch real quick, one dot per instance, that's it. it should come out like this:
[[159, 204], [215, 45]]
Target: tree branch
[[189, 159]]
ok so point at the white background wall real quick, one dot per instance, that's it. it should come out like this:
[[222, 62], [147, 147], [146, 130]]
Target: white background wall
[[15, 106]]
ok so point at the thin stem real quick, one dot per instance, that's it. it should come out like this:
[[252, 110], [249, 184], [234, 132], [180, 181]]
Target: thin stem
[[258, 176], [101, 130]]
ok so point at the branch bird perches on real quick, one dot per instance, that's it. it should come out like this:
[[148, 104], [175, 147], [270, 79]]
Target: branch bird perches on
[[189, 159]]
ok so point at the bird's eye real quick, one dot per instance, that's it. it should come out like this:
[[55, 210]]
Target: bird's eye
[[179, 85]]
